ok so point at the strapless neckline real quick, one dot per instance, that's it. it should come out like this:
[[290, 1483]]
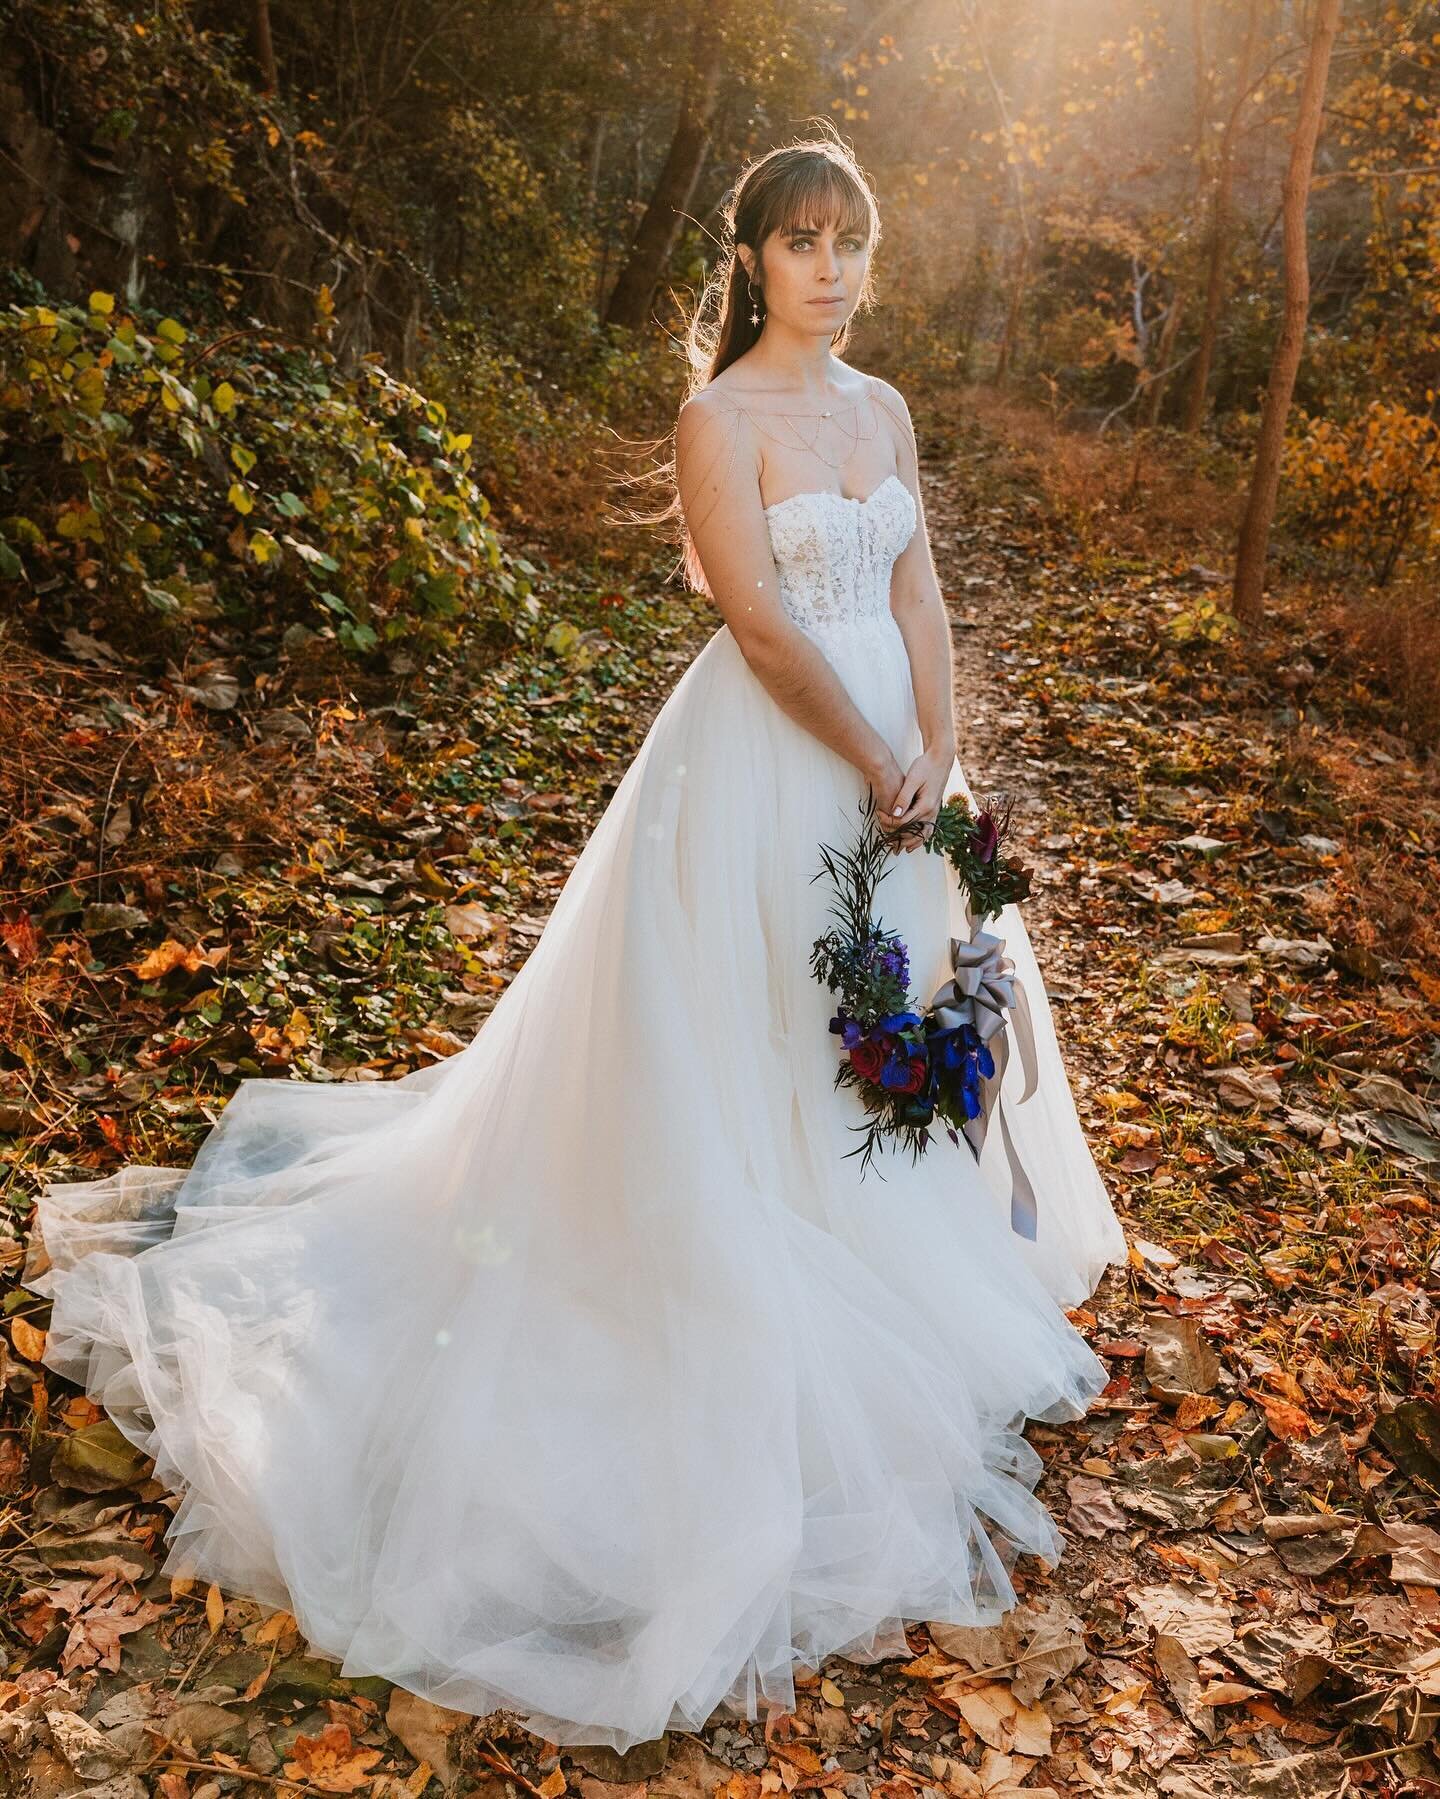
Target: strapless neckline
[[825, 493]]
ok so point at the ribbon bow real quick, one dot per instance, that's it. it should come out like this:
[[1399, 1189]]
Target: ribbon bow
[[982, 989]]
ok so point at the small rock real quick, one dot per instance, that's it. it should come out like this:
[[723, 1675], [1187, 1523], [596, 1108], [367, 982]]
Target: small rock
[[1200, 845], [105, 916], [282, 725], [1296, 952]]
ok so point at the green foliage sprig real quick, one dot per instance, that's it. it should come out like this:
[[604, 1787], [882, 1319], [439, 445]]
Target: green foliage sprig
[[971, 844]]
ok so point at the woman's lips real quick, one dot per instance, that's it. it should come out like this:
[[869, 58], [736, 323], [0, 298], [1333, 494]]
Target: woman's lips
[[830, 300]]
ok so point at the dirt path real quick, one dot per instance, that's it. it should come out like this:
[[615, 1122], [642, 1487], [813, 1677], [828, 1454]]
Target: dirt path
[[985, 576]]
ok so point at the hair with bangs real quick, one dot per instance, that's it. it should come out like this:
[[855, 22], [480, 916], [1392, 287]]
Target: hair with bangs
[[795, 188], [792, 189]]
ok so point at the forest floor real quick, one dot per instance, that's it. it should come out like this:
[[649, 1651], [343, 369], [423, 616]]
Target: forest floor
[[1235, 911]]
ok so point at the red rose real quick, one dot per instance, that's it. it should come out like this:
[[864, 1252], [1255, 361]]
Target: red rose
[[914, 1076], [867, 1059]]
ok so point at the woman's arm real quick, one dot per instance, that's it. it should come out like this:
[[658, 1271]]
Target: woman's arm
[[919, 611], [718, 471]]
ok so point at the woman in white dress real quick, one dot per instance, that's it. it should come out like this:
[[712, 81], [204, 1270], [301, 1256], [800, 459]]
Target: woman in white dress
[[582, 1375]]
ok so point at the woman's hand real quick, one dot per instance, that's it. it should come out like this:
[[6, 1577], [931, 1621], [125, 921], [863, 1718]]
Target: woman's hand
[[918, 796], [886, 778]]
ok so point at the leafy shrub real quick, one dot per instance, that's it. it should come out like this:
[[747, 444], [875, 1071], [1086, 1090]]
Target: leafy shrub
[[1368, 486], [154, 475]]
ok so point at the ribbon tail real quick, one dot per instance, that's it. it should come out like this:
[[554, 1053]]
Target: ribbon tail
[[1024, 1204], [1023, 1028], [1024, 1207]]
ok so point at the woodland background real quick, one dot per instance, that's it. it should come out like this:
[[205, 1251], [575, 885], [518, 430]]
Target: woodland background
[[328, 337]]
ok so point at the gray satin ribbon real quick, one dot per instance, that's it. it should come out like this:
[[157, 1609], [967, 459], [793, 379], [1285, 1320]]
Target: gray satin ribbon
[[983, 987]]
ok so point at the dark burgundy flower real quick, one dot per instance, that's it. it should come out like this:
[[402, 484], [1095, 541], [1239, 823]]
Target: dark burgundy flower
[[867, 1058], [987, 838]]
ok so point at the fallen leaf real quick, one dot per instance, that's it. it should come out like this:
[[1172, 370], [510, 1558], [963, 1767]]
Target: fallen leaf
[[1199, 1622], [997, 1717], [1183, 1679], [1093, 1511], [1178, 1360], [331, 1761]]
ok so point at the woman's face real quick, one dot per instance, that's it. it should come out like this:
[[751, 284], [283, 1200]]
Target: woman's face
[[811, 280]]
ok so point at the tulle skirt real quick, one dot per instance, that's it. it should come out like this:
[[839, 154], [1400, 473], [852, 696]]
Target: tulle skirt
[[581, 1374]]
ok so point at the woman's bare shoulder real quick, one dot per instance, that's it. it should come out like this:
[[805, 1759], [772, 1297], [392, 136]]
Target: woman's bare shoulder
[[708, 416], [889, 396], [716, 449]]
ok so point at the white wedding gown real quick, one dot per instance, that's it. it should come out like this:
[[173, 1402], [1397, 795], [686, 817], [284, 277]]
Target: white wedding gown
[[581, 1374]]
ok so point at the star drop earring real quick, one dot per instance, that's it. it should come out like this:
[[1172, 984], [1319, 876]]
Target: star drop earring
[[754, 302]]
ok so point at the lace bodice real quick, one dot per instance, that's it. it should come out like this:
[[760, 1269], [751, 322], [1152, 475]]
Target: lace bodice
[[834, 554]]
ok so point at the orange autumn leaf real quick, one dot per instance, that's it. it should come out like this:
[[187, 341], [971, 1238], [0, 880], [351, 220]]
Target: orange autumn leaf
[[798, 1755], [331, 1761], [1285, 1384], [113, 1132], [1287, 1422], [28, 1341], [167, 957], [1195, 1409], [19, 937], [1428, 983]]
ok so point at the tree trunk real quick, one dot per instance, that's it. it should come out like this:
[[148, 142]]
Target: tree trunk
[[264, 45], [1217, 278], [645, 265], [1164, 350], [1011, 333], [1289, 346]]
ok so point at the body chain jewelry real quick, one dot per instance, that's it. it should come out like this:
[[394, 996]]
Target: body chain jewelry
[[861, 432], [798, 439]]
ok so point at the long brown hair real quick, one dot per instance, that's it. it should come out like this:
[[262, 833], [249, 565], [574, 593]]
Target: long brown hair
[[799, 185]]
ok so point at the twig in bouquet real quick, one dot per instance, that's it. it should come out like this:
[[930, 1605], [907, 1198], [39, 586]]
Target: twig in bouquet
[[856, 873]]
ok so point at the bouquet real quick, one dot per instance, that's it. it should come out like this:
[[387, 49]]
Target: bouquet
[[911, 1065]]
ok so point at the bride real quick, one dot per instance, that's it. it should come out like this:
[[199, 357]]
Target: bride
[[582, 1375]]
